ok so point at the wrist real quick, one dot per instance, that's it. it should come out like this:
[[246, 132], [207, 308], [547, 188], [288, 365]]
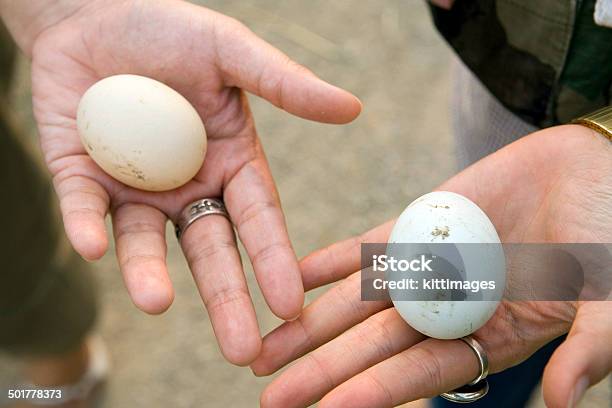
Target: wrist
[[26, 20], [600, 121]]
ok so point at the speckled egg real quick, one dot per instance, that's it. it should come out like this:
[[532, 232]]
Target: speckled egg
[[141, 132], [463, 247]]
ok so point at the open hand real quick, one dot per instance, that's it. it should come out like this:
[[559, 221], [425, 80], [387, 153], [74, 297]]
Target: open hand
[[211, 60], [552, 186]]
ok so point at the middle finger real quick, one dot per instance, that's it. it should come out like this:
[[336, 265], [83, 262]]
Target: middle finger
[[209, 245]]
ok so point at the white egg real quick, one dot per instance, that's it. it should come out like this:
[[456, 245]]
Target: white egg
[[141, 132], [448, 218]]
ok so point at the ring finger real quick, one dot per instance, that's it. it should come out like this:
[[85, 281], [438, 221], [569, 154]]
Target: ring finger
[[209, 245], [427, 369]]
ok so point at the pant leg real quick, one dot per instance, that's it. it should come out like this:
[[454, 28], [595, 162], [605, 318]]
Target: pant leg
[[47, 297], [8, 50]]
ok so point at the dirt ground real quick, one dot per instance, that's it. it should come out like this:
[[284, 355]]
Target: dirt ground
[[334, 181]]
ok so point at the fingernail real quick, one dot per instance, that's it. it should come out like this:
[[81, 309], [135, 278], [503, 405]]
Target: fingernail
[[293, 319], [578, 391]]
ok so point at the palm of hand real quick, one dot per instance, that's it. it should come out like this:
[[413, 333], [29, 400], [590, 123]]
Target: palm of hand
[[71, 57], [209, 59], [539, 189]]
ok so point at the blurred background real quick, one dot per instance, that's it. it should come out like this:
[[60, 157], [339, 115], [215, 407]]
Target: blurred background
[[334, 182]]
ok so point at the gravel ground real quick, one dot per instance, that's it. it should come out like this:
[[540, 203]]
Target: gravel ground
[[334, 181]]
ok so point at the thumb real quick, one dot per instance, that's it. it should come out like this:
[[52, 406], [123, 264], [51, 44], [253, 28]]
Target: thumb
[[248, 62], [584, 359]]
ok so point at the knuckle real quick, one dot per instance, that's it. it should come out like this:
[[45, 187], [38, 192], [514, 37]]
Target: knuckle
[[209, 249], [255, 209], [128, 219], [226, 296], [336, 264], [297, 67], [427, 362], [375, 331], [278, 86], [275, 76], [133, 261], [308, 341], [134, 227], [335, 267], [322, 369], [83, 203], [350, 297], [82, 211], [269, 252], [383, 391]]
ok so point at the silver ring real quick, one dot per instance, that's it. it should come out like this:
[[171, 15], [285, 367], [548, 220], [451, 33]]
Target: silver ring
[[196, 210], [478, 387]]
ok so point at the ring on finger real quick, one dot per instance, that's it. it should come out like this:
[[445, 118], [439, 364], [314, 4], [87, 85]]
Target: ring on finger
[[478, 387], [196, 210]]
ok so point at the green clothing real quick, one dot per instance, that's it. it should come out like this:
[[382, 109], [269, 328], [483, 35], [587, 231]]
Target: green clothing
[[47, 297], [546, 61]]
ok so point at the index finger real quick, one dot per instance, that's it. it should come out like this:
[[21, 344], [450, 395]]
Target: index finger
[[250, 63]]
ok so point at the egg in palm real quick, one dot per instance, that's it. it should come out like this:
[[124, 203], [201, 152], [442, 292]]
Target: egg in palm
[[141, 132], [464, 247]]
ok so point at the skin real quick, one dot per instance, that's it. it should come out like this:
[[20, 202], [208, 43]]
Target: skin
[[554, 185], [212, 60], [554, 178]]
